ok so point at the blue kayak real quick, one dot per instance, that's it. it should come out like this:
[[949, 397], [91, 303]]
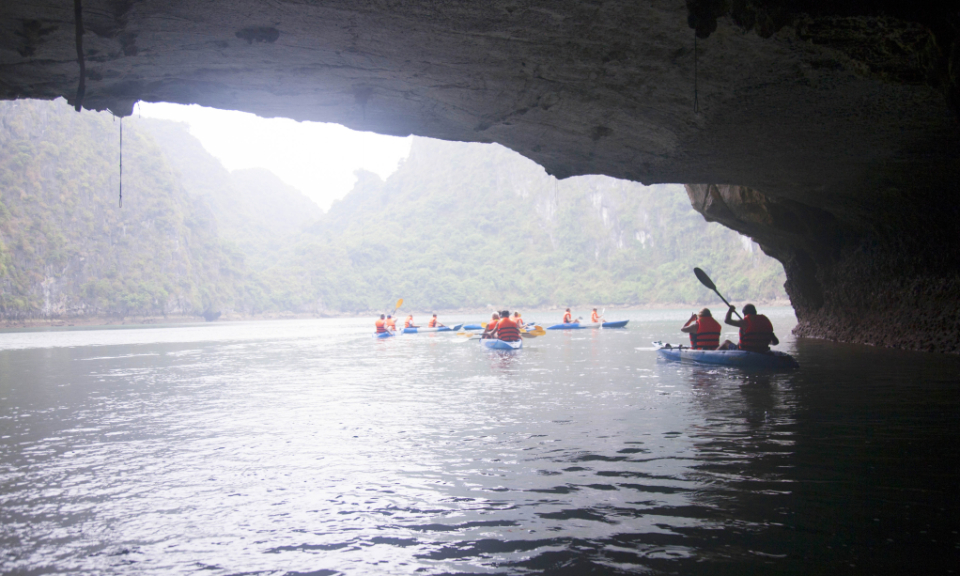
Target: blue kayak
[[570, 326], [384, 334], [582, 325], [772, 360], [501, 345], [473, 327], [427, 330]]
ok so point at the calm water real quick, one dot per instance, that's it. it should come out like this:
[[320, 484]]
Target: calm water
[[308, 447]]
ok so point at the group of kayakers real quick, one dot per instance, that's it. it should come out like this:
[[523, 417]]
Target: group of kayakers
[[756, 331], [504, 327], [568, 317], [387, 323]]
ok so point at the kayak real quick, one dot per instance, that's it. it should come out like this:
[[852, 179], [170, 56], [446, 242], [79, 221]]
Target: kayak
[[772, 360], [570, 326], [529, 326], [617, 324], [501, 345], [384, 334], [437, 329]]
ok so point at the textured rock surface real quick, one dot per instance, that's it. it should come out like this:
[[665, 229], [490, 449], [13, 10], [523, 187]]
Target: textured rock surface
[[841, 113], [892, 284]]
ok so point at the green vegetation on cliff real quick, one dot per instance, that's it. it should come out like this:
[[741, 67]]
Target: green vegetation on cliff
[[457, 225], [69, 249], [469, 225]]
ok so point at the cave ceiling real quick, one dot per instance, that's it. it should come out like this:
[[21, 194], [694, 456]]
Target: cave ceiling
[[823, 107]]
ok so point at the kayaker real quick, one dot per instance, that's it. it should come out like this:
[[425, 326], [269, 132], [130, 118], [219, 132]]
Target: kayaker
[[507, 329], [434, 324], [568, 318], [756, 331], [381, 324], [594, 316], [409, 322], [391, 323], [491, 330], [518, 320], [704, 331]]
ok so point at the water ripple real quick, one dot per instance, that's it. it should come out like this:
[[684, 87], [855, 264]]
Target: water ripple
[[309, 448]]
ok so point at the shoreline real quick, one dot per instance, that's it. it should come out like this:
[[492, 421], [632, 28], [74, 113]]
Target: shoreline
[[83, 321]]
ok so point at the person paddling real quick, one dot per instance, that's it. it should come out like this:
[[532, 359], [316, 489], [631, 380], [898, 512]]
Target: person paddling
[[491, 330], [518, 320], [756, 331], [433, 323], [409, 322], [568, 318], [704, 331], [507, 329], [391, 323], [381, 324], [595, 317]]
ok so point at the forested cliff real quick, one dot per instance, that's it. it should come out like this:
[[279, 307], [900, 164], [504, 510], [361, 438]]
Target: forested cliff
[[457, 225]]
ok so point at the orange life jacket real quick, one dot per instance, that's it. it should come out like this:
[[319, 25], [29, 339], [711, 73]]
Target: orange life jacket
[[594, 317], [707, 336], [567, 318], [756, 333], [380, 326], [432, 323], [408, 323], [491, 329], [391, 324], [507, 330]]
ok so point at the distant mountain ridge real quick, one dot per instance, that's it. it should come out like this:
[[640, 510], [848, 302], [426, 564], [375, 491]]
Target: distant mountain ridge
[[457, 225], [255, 210], [466, 225]]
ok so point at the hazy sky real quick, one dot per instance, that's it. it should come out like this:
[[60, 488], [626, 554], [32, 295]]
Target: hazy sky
[[318, 159]]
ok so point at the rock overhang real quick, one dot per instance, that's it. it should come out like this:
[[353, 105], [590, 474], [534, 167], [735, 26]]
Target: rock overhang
[[836, 121]]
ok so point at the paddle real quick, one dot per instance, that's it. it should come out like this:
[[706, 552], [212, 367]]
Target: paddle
[[537, 331], [399, 304], [706, 281]]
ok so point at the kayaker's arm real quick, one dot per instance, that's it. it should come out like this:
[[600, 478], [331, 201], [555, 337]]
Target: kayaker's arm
[[729, 319], [690, 327]]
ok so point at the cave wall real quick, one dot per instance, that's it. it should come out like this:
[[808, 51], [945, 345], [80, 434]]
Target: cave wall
[[827, 131], [887, 281]]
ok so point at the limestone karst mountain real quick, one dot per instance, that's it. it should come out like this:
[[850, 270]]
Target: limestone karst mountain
[[457, 225]]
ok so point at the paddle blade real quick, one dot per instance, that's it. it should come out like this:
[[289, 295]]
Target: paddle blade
[[399, 303], [704, 279]]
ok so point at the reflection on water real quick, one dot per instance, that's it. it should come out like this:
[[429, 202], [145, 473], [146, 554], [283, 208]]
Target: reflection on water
[[308, 447]]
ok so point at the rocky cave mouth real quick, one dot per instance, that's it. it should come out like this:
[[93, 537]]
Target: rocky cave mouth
[[838, 120]]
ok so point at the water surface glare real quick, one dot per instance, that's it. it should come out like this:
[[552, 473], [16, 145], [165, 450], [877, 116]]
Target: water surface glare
[[308, 447]]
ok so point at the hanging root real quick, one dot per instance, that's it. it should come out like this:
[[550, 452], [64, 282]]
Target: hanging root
[[82, 88], [696, 97], [121, 161]]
